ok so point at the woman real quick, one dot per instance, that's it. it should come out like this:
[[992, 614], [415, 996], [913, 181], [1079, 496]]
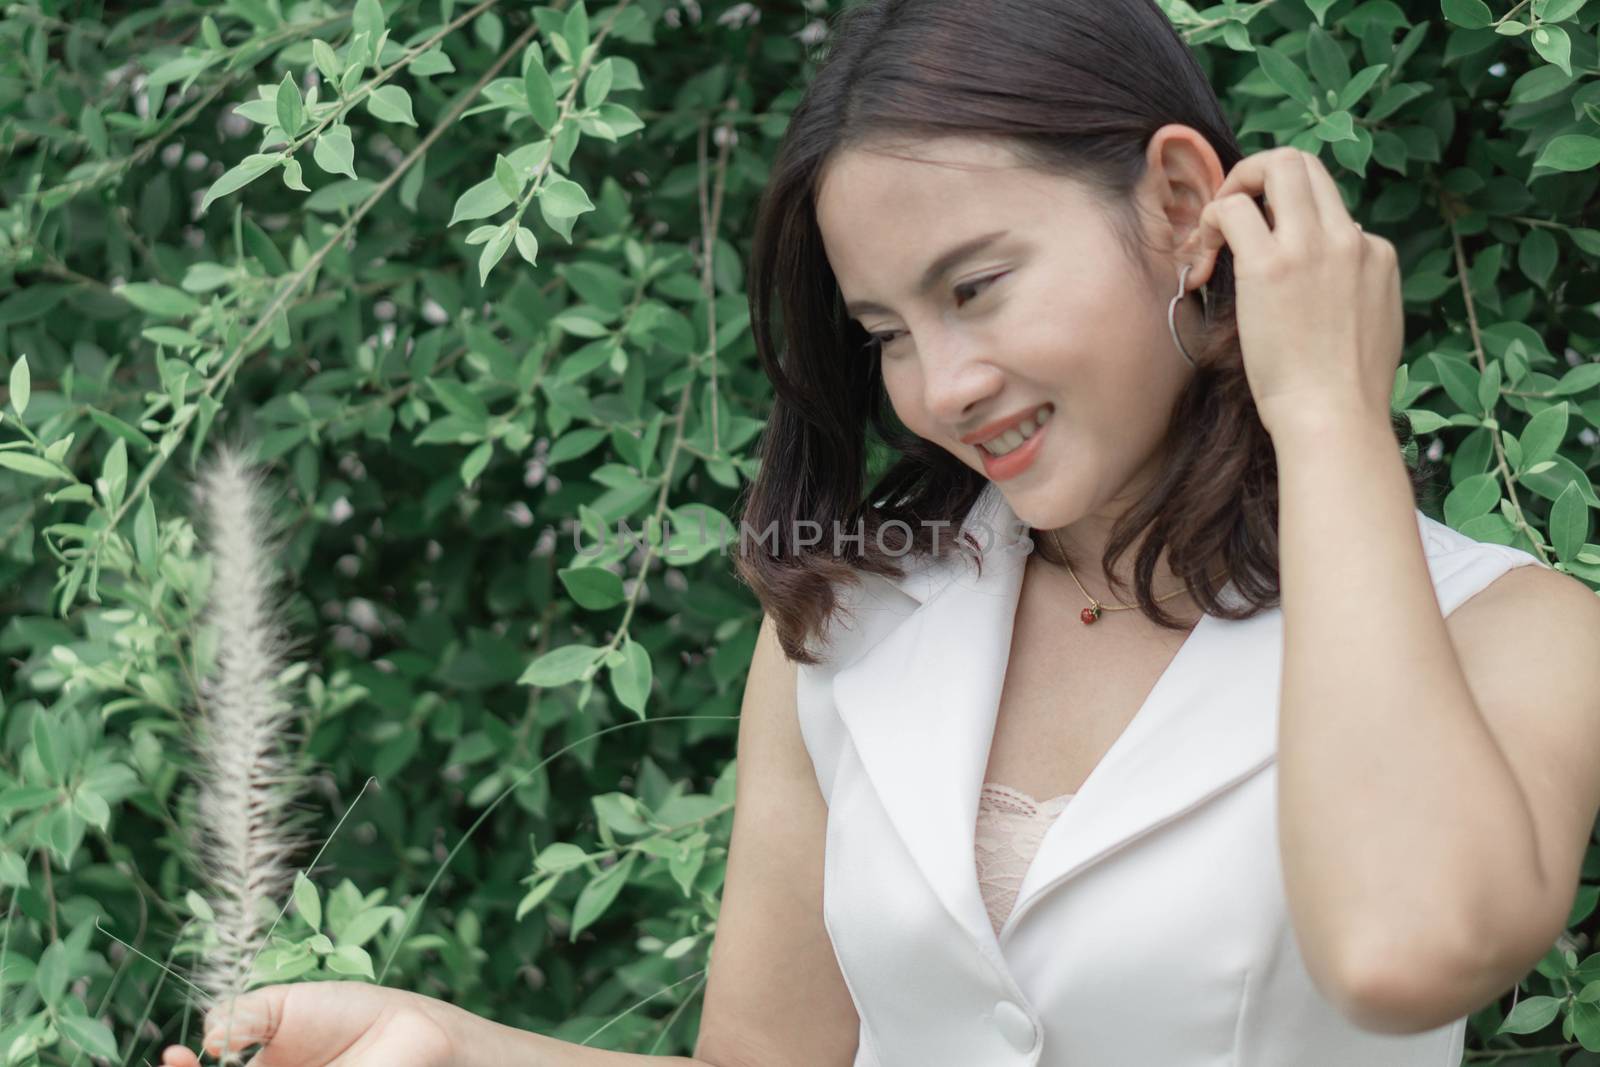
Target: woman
[[1272, 779]]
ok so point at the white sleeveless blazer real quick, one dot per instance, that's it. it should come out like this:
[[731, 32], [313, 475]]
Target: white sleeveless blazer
[[1152, 926]]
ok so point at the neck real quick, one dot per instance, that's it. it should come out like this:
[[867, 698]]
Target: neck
[[1083, 555]]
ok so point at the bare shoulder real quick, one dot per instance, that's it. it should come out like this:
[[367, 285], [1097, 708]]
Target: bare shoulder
[[1543, 598], [1529, 648]]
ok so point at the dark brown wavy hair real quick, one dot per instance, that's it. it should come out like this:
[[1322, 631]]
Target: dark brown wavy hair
[[1074, 88]]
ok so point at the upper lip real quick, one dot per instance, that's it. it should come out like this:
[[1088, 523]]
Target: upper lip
[[999, 426]]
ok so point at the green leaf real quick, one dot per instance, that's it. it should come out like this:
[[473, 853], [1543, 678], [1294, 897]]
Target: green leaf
[[1326, 59], [115, 472], [292, 177], [327, 61], [528, 246], [90, 1035], [560, 666], [368, 19], [1555, 46], [434, 61], [1354, 153], [1543, 435], [560, 857], [1286, 74], [460, 400], [21, 385], [35, 466], [598, 85], [475, 462], [1470, 14], [563, 199], [1579, 379], [198, 906], [1489, 388], [162, 301], [306, 901], [598, 895], [1319, 8], [31, 302], [391, 103], [1336, 126], [1537, 256], [146, 535], [1570, 152], [291, 108], [93, 807], [350, 959], [48, 744], [334, 151], [116, 426], [1557, 10], [251, 168], [479, 202], [53, 972], [1585, 1020], [13, 872], [510, 181], [575, 29], [541, 94], [1569, 523], [1474, 496], [536, 896], [592, 588], [1531, 1015], [494, 250], [366, 925], [630, 680]]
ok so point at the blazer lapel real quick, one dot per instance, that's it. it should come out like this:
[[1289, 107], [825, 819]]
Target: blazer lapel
[[1210, 722], [920, 706]]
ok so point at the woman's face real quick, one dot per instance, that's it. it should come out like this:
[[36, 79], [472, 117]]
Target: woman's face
[[1047, 311]]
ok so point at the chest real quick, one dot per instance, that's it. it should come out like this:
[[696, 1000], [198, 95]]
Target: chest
[[1070, 690]]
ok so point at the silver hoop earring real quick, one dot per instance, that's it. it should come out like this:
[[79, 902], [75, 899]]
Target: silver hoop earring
[[1172, 310]]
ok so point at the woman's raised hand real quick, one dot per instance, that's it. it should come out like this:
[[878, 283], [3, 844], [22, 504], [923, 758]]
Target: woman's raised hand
[[347, 1024], [1321, 325]]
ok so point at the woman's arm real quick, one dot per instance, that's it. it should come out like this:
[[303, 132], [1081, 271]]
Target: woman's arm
[[482, 1042]]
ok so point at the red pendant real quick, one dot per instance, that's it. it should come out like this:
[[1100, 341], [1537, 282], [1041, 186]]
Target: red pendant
[[1089, 615]]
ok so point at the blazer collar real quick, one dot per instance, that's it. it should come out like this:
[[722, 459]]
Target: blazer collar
[[920, 707]]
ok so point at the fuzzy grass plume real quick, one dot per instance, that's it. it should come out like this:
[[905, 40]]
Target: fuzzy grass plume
[[247, 786]]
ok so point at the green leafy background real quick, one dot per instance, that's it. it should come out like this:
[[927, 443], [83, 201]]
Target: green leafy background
[[470, 279]]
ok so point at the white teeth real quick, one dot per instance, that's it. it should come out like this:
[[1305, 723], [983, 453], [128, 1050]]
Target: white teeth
[[999, 446]]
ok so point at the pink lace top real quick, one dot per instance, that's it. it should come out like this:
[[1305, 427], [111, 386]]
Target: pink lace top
[[1010, 826]]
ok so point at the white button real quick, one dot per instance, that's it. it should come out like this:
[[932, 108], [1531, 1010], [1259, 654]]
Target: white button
[[1015, 1025]]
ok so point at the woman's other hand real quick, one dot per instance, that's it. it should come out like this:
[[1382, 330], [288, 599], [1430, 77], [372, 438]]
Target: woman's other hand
[[348, 1024]]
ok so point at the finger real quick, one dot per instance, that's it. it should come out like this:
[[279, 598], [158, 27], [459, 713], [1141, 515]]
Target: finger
[[1330, 203], [179, 1056], [252, 1019], [1235, 221], [1280, 174]]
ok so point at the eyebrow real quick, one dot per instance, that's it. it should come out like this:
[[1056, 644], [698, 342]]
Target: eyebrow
[[946, 262]]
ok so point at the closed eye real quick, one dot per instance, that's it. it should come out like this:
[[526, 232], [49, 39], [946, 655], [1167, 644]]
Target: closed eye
[[876, 341]]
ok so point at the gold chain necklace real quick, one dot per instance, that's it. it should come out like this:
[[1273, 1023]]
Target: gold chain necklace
[[1091, 614]]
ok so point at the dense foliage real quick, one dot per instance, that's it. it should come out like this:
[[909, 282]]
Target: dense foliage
[[469, 280]]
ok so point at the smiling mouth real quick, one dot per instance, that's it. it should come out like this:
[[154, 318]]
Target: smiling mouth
[[1015, 437]]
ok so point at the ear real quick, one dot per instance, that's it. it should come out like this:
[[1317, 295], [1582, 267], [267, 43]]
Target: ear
[[1182, 174]]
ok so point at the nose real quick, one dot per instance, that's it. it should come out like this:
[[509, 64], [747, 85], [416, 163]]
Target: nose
[[957, 381]]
